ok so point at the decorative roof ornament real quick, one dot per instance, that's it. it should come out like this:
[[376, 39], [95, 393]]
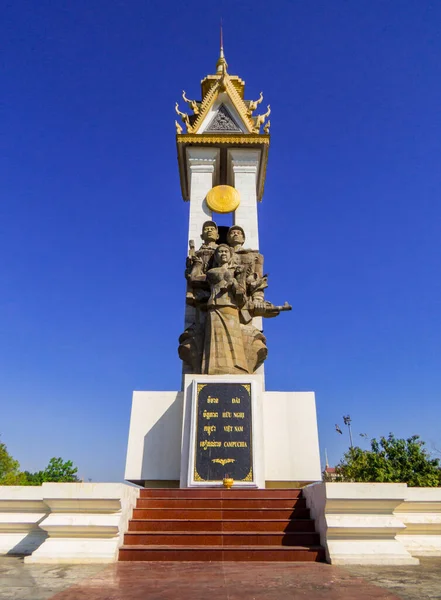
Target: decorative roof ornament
[[185, 118], [191, 103], [254, 104], [260, 120]]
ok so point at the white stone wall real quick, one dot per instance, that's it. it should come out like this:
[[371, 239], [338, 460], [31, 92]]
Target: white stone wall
[[154, 446], [21, 510], [376, 523], [421, 514], [65, 522], [291, 437]]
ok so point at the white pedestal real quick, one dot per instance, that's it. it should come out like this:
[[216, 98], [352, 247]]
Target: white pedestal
[[286, 452]]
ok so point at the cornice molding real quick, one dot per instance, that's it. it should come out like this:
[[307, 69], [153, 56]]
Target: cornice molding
[[226, 138]]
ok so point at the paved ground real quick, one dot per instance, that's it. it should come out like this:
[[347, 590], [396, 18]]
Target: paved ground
[[218, 581], [409, 583]]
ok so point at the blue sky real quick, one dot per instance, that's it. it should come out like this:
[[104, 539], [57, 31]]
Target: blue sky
[[93, 227]]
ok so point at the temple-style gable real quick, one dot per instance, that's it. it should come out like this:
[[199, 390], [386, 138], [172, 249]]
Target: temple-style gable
[[222, 121]]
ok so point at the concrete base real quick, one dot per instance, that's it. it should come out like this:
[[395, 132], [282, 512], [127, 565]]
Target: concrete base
[[289, 438], [369, 552], [75, 551], [421, 545]]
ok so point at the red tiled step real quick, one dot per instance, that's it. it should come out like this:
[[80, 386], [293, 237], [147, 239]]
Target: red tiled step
[[245, 502], [244, 514], [203, 538], [146, 525], [218, 493], [222, 553]]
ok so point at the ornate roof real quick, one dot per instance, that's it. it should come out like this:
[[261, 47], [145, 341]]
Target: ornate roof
[[222, 108]]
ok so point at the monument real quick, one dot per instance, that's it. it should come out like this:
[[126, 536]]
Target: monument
[[223, 424]]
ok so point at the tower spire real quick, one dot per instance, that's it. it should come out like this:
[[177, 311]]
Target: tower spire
[[221, 65]]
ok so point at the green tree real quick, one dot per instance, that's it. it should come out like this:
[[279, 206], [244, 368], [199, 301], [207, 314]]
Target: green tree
[[391, 460], [33, 478], [9, 468], [58, 470]]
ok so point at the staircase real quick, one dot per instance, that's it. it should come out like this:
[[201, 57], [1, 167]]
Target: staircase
[[221, 525]]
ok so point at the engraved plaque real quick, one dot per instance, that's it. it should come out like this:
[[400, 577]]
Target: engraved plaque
[[223, 432]]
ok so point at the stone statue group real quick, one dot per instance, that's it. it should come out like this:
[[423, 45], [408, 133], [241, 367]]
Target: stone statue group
[[225, 285]]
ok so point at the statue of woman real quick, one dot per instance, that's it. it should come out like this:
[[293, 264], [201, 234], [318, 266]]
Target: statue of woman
[[223, 351]]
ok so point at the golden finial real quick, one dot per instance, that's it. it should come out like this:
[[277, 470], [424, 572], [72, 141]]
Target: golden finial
[[221, 65], [178, 128], [267, 127]]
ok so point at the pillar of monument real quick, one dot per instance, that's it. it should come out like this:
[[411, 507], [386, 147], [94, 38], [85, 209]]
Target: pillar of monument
[[243, 169], [243, 166], [202, 173]]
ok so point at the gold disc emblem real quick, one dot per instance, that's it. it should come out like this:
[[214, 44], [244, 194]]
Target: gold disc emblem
[[223, 199]]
